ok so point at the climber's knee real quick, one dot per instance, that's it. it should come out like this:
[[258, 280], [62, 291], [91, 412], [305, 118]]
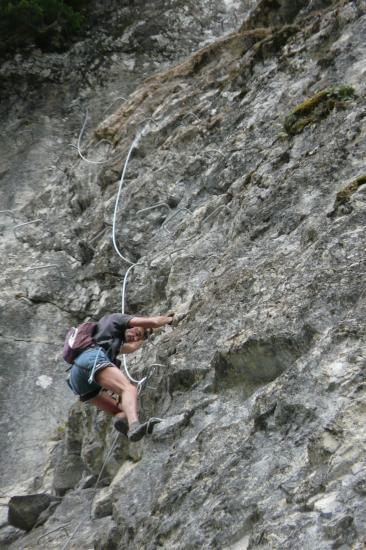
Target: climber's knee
[[111, 378]]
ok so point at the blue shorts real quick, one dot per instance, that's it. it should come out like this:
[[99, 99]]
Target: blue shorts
[[81, 379]]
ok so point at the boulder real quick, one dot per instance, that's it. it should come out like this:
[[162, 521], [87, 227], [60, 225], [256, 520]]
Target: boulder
[[24, 510]]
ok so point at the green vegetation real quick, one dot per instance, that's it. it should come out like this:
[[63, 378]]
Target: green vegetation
[[47, 23], [346, 193], [60, 432], [318, 107]]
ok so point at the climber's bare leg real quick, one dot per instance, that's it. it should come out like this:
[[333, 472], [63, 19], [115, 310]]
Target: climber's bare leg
[[112, 379], [107, 404]]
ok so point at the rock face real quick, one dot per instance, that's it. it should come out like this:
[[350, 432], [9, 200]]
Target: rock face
[[26, 511], [44, 99], [243, 207]]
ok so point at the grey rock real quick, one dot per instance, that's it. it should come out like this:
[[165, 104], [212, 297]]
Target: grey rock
[[24, 510], [171, 427], [262, 384], [87, 482], [68, 472], [102, 504], [9, 534], [38, 150], [109, 537]]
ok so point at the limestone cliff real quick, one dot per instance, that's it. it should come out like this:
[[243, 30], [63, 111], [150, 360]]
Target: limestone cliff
[[243, 206]]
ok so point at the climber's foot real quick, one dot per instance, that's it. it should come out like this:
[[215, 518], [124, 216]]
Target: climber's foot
[[121, 425], [137, 431]]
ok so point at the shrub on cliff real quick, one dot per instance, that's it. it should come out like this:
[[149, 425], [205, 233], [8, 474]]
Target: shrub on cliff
[[47, 23]]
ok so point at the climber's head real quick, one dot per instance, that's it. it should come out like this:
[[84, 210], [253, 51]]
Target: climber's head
[[134, 334]]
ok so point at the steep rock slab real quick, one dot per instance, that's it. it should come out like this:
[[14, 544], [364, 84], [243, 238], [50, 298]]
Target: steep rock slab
[[44, 99], [266, 280]]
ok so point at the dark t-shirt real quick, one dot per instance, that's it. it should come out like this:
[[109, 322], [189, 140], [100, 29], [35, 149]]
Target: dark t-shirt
[[110, 334]]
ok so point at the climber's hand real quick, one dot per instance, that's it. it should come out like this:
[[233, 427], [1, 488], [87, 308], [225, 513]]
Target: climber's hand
[[176, 318]]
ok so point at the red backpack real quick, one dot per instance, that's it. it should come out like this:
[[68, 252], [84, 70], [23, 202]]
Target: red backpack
[[77, 340]]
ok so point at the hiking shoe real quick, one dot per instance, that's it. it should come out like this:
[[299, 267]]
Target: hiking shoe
[[137, 431], [121, 425]]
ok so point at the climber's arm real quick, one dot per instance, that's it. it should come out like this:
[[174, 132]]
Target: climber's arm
[[131, 347], [150, 322]]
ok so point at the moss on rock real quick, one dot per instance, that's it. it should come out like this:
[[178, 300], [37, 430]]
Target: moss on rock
[[346, 193], [318, 107]]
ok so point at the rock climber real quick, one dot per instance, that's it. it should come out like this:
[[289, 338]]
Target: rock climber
[[95, 369]]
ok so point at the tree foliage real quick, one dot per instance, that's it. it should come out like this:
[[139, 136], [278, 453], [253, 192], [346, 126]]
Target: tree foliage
[[47, 23]]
